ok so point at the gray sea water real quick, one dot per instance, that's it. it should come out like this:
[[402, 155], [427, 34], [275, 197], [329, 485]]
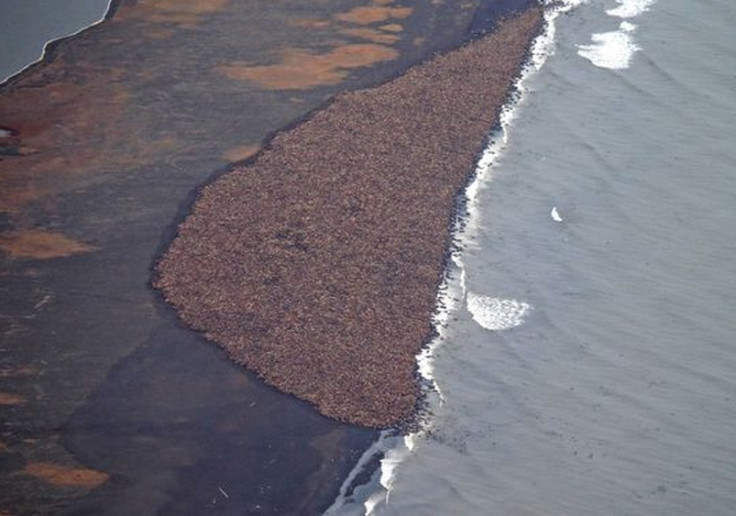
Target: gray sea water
[[27, 25], [589, 364]]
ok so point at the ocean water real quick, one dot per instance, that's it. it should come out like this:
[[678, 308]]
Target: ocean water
[[27, 25], [586, 362]]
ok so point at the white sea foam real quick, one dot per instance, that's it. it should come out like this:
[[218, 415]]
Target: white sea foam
[[613, 50], [391, 461], [627, 27], [494, 313], [630, 8], [555, 215]]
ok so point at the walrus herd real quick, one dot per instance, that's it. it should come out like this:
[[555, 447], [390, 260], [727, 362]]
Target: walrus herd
[[316, 264]]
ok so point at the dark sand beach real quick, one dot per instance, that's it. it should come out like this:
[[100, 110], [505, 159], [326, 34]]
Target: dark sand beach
[[108, 403]]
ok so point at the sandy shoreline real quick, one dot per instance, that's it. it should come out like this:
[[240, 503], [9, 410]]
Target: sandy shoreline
[[317, 263], [106, 399]]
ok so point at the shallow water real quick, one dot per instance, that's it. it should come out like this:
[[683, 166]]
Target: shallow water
[[610, 214]]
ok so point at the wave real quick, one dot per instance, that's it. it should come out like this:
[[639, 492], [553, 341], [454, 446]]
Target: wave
[[630, 8], [494, 313], [615, 49]]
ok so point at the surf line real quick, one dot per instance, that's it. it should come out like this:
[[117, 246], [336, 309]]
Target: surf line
[[396, 449]]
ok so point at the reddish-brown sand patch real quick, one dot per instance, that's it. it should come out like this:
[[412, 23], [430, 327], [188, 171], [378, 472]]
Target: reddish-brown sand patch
[[300, 68], [392, 27], [41, 245], [184, 13], [309, 23], [241, 152], [6, 372], [373, 14], [372, 35], [64, 476], [10, 400], [318, 265], [303, 69]]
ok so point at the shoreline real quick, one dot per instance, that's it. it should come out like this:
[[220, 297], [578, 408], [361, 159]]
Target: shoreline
[[280, 355], [97, 368], [97, 364], [387, 450]]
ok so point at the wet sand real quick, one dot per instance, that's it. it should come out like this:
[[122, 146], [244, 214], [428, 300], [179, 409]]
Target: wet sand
[[317, 264], [108, 404]]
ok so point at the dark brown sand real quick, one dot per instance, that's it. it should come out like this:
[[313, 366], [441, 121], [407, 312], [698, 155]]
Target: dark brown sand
[[317, 264]]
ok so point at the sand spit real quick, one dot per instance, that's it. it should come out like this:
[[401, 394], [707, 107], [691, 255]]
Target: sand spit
[[317, 264]]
